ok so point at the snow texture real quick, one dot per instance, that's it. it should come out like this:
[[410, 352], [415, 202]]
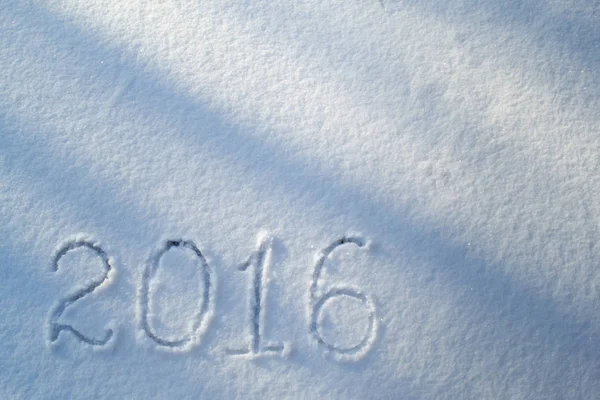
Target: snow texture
[[384, 199]]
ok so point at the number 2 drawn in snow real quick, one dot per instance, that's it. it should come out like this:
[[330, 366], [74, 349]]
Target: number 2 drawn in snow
[[56, 327]]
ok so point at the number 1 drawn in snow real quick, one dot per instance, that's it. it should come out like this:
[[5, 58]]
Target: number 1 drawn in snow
[[259, 260], [55, 327]]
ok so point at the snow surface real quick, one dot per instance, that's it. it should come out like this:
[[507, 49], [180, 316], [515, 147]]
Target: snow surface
[[390, 199]]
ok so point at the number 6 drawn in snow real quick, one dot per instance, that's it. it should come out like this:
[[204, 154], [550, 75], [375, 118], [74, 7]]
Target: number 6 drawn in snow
[[55, 327], [318, 302]]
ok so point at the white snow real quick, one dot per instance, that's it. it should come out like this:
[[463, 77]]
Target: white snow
[[390, 199]]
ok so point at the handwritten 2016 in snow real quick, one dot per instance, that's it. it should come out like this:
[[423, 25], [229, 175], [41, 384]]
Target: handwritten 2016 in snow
[[256, 265]]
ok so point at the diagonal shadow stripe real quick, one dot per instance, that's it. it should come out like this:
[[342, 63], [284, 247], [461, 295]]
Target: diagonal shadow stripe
[[571, 32]]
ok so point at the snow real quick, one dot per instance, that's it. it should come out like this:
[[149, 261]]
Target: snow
[[389, 199]]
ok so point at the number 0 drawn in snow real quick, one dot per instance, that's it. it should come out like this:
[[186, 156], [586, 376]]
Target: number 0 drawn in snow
[[318, 302], [201, 318], [56, 327]]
